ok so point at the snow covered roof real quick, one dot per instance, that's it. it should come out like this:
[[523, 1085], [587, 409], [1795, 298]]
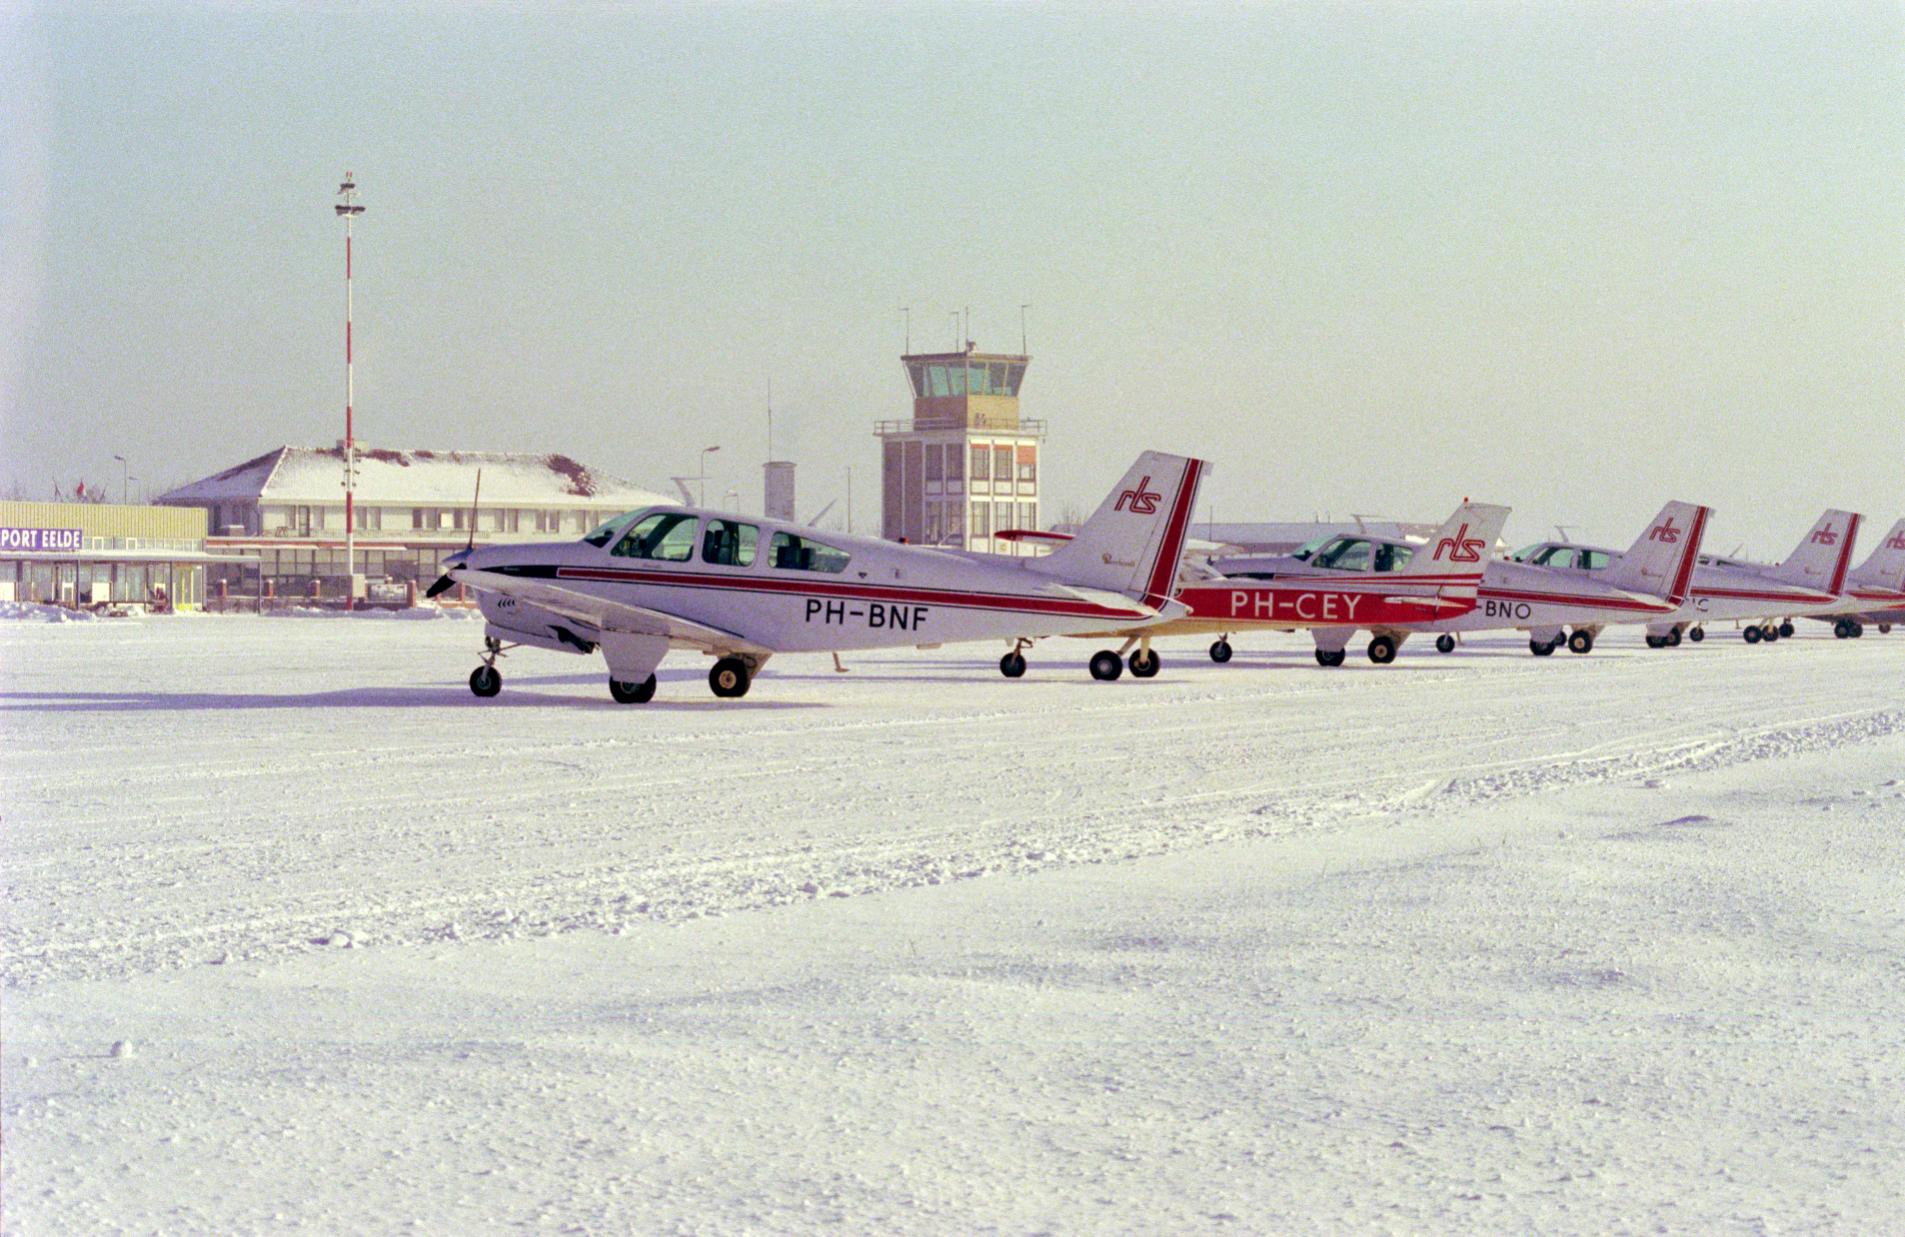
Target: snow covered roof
[[399, 478]]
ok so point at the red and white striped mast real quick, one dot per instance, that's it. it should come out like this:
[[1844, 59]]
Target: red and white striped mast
[[349, 210]]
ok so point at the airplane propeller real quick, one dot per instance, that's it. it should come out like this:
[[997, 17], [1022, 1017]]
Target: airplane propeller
[[444, 583]]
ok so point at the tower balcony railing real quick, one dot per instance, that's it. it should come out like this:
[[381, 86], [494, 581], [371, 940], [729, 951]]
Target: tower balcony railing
[[1029, 427]]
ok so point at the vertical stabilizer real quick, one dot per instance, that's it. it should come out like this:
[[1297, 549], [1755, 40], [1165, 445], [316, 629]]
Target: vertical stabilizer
[[1464, 544], [1661, 562], [1822, 559], [1886, 567], [1133, 542]]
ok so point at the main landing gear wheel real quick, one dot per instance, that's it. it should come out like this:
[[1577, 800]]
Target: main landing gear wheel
[[1220, 652], [1145, 663], [1660, 642], [1769, 633], [1012, 665], [730, 678], [1842, 630], [1858, 629], [1885, 629], [485, 681], [1382, 650], [1331, 657], [1445, 644], [1696, 634], [1106, 665], [1751, 635], [1673, 638], [1786, 629], [632, 693], [1581, 642], [1540, 649]]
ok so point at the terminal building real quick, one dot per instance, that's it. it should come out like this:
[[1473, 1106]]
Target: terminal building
[[965, 467], [104, 556], [285, 510]]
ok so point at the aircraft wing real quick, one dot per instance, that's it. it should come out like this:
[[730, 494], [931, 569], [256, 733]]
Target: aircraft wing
[[618, 616]]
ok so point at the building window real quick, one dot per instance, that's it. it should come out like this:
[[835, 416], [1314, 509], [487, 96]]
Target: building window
[[981, 462], [933, 534], [918, 374], [1002, 464], [982, 519], [1028, 516], [416, 518], [955, 463], [935, 468], [1002, 516], [1028, 465]]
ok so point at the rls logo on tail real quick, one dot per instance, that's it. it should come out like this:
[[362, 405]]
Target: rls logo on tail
[[1825, 536], [1897, 542], [1666, 533], [1143, 501], [1460, 548]]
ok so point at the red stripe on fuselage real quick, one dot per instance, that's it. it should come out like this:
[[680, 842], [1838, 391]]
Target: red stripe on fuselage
[[1584, 601], [867, 592]]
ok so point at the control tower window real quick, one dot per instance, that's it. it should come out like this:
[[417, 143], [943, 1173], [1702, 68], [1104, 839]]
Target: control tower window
[[918, 374], [1014, 375], [791, 553], [667, 537], [956, 376]]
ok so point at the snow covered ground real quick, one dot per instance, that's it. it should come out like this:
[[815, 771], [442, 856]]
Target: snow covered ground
[[1475, 942]]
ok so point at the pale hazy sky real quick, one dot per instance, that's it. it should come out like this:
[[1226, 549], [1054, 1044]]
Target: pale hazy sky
[[1575, 258]]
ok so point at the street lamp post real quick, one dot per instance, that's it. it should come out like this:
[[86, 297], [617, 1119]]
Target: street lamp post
[[125, 479], [705, 452], [348, 209]]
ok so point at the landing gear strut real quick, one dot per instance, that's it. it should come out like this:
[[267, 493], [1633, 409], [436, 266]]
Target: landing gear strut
[[1144, 661], [486, 680], [1012, 665]]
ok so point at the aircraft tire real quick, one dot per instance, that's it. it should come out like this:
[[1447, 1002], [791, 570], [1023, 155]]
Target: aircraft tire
[[1145, 663], [1220, 652], [729, 679], [1785, 630], [1331, 657], [1012, 665], [1655, 642], [1885, 629], [1673, 638], [1751, 635], [1769, 633], [1841, 630], [485, 681], [1106, 666], [632, 693], [1539, 649], [1382, 650], [1696, 634], [1445, 643], [1581, 642], [1858, 629]]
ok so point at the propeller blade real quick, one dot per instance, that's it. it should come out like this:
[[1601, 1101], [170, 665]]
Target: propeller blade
[[443, 585], [474, 499]]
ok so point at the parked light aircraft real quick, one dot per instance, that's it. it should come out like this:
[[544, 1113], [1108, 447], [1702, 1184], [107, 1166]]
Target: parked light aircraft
[[1404, 584], [1879, 585], [742, 589], [1756, 595]]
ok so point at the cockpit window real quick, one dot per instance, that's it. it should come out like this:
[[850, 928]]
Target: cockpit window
[[1555, 556], [1527, 553], [604, 533], [1348, 554], [1392, 557], [1594, 560], [667, 536], [729, 544], [791, 553], [1310, 547]]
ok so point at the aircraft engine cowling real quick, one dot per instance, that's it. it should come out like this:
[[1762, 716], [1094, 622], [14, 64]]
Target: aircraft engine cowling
[[518, 622]]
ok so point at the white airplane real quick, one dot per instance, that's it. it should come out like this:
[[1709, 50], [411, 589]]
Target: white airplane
[[742, 589], [1755, 595], [1879, 584]]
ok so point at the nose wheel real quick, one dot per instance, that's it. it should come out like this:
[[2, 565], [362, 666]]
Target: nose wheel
[[1220, 652], [1445, 644], [486, 680]]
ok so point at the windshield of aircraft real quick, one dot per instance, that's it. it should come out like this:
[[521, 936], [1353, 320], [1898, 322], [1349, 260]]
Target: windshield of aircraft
[[1344, 554], [1311, 546], [602, 534], [1527, 553]]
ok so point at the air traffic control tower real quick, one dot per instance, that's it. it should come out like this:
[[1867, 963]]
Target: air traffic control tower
[[966, 465]]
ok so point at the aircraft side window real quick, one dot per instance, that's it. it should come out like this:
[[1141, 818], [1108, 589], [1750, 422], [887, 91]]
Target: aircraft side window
[[791, 553], [1349, 554], [1594, 560], [1393, 557], [667, 537], [728, 544]]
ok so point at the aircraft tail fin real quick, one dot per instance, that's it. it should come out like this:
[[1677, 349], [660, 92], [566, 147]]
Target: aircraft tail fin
[[1886, 566], [1661, 562], [1463, 545], [1822, 558], [1133, 542]]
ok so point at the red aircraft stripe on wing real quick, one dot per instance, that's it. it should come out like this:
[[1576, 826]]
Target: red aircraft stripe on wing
[[864, 592], [1845, 556], [1164, 571], [1683, 579]]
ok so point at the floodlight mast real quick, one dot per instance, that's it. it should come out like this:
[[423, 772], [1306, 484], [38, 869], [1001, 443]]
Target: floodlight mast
[[348, 209]]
